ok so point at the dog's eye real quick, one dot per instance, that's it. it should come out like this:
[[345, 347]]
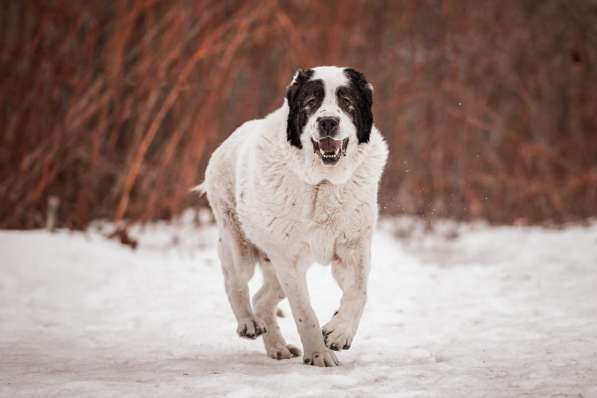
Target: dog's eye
[[347, 102], [311, 102]]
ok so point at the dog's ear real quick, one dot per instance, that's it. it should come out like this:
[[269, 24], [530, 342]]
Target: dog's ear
[[293, 133], [365, 113], [301, 76]]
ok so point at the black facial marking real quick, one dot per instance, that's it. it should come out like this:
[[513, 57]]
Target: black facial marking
[[304, 98], [356, 100]]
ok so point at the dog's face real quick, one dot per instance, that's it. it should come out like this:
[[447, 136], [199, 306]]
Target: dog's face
[[329, 118]]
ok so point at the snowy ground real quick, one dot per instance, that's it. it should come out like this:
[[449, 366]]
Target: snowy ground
[[485, 312]]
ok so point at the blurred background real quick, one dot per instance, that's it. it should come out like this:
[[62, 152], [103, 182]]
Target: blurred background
[[110, 110]]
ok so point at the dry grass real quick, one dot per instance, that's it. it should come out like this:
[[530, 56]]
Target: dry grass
[[113, 107]]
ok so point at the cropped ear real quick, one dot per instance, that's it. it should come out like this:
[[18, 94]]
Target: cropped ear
[[365, 90], [293, 133]]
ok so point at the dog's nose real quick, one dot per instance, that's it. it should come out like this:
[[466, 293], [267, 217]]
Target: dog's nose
[[328, 126]]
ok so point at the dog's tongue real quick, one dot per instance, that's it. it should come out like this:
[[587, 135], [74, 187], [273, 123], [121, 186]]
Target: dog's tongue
[[329, 144]]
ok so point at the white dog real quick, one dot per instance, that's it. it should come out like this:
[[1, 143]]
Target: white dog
[[297, 187]]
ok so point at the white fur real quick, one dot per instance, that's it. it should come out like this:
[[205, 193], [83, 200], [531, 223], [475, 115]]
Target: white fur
[[273, 201]]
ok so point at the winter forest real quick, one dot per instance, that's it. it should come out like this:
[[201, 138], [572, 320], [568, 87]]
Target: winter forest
[[489, 109], [483, 277]]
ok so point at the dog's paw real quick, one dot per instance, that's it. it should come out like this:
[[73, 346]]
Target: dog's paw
[[325, 358], [251, 328], [283, 351], [338, 334]]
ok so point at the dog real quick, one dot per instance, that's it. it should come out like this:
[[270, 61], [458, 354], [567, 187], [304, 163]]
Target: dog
[[296, 187]]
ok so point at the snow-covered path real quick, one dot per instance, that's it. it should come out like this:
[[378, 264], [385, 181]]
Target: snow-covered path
[[495, 312]]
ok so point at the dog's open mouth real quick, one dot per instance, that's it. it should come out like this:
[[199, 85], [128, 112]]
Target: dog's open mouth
[[329, 149]]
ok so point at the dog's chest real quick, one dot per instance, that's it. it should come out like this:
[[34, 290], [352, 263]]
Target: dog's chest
[[323, 216], [322, 219], [304, 222]]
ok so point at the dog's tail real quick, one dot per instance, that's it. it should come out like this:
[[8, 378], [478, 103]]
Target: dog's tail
[[201, 189]]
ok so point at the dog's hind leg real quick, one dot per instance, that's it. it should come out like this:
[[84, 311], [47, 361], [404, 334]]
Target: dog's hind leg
[[265, 302], [238, 258]]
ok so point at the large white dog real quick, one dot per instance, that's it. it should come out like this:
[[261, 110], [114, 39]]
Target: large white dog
[[297, 187]]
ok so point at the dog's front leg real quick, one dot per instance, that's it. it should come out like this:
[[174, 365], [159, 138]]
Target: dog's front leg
[[351, 271], [294, 283]]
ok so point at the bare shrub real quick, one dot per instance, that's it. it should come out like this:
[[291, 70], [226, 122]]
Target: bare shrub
[[113, 107]]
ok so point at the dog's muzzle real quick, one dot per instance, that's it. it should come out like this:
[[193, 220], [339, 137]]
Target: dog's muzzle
[[330, 150]]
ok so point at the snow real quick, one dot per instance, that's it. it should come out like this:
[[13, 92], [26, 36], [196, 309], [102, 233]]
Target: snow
[[462, 311]]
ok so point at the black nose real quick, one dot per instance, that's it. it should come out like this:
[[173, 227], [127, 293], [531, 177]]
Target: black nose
[[328, 126]]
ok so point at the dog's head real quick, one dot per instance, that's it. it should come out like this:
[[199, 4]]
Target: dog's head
[[329, 117]]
